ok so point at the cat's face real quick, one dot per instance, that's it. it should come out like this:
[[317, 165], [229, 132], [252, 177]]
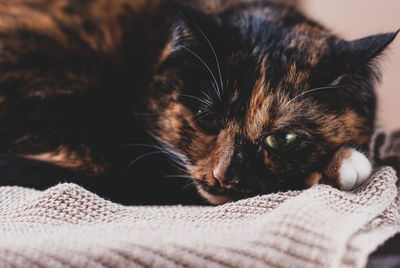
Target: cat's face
[[254, 102]]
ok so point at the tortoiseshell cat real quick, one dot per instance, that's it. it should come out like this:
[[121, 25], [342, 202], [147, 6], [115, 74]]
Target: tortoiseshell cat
[[244, 97]]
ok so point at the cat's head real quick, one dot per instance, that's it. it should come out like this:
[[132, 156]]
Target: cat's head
[[255, 98]]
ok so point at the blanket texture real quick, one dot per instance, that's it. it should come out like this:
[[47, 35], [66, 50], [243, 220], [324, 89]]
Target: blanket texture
[[67, 226]]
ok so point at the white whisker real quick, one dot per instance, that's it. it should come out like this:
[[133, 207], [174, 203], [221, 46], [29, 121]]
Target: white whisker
[[140, 157], [178, 176], [207, 96], [188, 185], [140, 145], [204, 101], [176, 157], [203, 114], [215, 56], [208, 68], [309, 91], [170, 155]]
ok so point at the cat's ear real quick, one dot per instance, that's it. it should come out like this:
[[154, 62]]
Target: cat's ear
[[360, 55], [190, 26], [364, 50]]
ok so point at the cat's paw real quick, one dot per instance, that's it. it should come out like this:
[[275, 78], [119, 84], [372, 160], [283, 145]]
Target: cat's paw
[[353, 171]]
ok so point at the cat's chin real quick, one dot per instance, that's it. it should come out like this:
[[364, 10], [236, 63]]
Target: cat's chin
[[214, 199]]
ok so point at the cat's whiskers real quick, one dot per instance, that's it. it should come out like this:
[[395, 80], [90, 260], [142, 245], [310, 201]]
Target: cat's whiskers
[[198, 116], [209, 99], [310, 91], [139, 145], [178, 176], [203, 101], [214, 86], [217, 89], [215, 55], [176, 157], [190, 184], [176, 161], [140, 157], [203, 114]]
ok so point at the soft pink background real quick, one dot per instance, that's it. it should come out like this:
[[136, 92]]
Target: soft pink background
[[358, 18]]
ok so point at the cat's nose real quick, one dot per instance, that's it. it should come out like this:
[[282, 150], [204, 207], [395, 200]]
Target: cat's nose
[[220, 178], [223, 181]]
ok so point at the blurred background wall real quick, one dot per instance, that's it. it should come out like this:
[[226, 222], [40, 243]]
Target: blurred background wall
[[353, 19]]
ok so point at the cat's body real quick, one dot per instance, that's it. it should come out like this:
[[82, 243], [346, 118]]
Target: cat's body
[[88, 88], [72, 73]]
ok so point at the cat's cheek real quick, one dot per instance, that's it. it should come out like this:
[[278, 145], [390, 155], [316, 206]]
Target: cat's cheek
[[202, 171]]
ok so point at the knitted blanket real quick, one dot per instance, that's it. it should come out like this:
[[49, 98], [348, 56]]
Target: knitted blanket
[[320, 227]]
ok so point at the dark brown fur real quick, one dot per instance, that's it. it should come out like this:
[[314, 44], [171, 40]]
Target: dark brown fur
[[80, 79]]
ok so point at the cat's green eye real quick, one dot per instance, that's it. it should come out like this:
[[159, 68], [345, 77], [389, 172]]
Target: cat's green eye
[[281, 141]]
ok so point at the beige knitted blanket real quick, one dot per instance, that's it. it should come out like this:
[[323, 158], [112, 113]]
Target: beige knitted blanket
[[67, 226]]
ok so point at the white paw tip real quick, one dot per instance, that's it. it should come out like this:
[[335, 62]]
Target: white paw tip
[[354, 171]]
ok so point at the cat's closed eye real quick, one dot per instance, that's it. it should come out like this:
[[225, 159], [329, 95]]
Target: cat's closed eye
[[208, 121]]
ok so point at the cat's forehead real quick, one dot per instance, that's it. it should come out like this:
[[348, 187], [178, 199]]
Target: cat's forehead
[[259, 110], [263, 93], [283, 34], [281, 49], [281, 72], [279, 60]]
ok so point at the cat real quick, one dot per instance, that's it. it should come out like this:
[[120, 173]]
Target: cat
[[241, 98]]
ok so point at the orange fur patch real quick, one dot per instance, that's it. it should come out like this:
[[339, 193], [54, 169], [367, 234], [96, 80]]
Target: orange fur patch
[[350, 128], [65, 158], [257, 115]]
